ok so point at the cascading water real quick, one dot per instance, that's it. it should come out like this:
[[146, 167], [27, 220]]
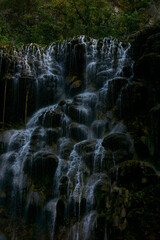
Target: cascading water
[[55, 166]]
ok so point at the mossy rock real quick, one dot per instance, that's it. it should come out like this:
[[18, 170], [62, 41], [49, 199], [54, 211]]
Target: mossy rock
[[134, 175], [78, 132], [41, 167], [65, 147], [120, 144]]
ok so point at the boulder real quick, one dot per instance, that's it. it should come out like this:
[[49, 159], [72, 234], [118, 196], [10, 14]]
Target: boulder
[[114, 87], [133, 101], [99, 127], [79, 113], [135, 175], [87, 98], [115, 141], [41, 166], [4, 140], [155, 132], [127, 71], [63, 186], [147, 71], [78, 132], [75, 87], [51, 136], [86, 149], [120, 145], [86, 146], [37, 140], [18, 140], [65, 147], [51, 118]]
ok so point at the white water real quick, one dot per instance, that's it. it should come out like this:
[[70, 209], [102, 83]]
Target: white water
[[47, 67]]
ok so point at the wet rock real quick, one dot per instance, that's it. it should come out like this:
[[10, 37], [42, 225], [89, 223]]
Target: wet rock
[[119, 143], [101, 193], [2, 237], [37, 140], [155, 131], [79, 113], [114, 87], [78, 132], [153, 43], [42, 165], [127, 71], [4, 140], [99, 127], [86, 150], [63, 187], [141, 150], [60, 220], [33, 208], [134, 174], [52, 118], [65, 146], [75, 63], [6, 186], [51, 136], [17, 140], [118, 127], [87, 98], [86, 146], [12, 158], [133, 101], [75, 87], [147, 71]]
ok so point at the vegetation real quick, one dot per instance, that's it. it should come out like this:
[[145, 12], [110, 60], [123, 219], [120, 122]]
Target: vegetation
[[44, 21]]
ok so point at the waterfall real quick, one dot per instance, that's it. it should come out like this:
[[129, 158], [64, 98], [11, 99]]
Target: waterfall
[[54, 168]]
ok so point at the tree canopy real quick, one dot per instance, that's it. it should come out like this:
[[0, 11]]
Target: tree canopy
[[44, 21]]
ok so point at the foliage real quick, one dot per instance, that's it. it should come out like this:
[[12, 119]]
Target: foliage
[[44, 21]]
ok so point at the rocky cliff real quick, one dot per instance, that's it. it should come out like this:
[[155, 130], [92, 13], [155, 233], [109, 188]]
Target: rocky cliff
[[85, 164]]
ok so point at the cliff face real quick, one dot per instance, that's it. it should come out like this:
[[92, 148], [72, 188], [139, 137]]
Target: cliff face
[[147, 77], [86, 164]]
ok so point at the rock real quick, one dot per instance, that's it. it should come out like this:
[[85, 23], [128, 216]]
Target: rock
[[142, 37], [75, 87], [4, 140], [133, 101], [86, 149], [63, 187], [78, 132], [86, 146], [2, 237], [155, 132], [12, 158], [79, 113], [147, 71], [127, 71], [37, 140], [51, 118], [18, 139], [87, 99], [75, 62], [114, 87], [51, 136], [153, 43], [118, 148], [131, 174], [99, 127], [101, 191], [141, 150], [41, 166], [65, 147], [33, 208], [119, 143]]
